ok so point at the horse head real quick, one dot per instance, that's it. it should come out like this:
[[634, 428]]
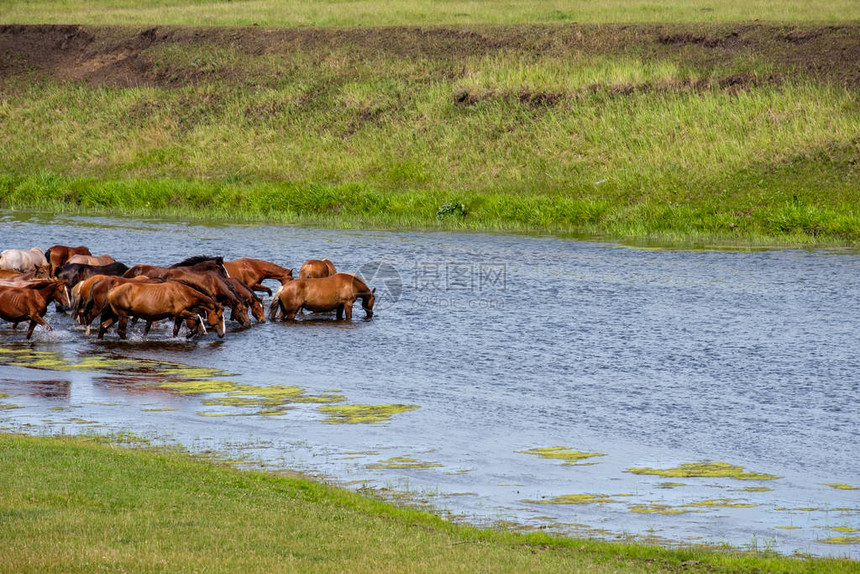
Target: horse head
[[367, 301], [257, 310], [215, 319]]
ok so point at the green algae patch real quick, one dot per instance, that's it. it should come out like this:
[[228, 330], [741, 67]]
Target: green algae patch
[[705, 469], [10, 407], [841, 540], [752, 489], [159, 410], [403, 462], [788, 527], [842, 529], [668, 485], [841, 486], [661, 509], [176, 370], [568, 455], [577, 499], [198, 387], [270, 401], [355, 414], [721, 503], [231, 401]]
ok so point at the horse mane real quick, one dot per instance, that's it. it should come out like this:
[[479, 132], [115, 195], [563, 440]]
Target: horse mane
[[361, 283], [116, 265], [188, 262]]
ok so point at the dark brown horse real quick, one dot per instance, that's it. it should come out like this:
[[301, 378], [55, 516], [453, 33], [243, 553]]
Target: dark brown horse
[[197, 263], [335, 293], [250, 299], [59, 254], [90, 259], [315, 268], [157, 301], [252, 272], [17, 304], [74, 273]]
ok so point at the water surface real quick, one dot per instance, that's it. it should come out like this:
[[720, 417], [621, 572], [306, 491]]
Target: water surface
[[497, 345]]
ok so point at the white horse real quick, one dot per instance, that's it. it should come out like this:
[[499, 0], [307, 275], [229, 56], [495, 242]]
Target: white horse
[[22, 260]]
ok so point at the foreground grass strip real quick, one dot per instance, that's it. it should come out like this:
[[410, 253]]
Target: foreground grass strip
[[82, 504]]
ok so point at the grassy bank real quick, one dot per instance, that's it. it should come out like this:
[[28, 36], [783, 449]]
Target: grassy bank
[[82, 504], [689, 132]]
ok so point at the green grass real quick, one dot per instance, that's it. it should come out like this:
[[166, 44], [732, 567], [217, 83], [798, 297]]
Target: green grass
[[294, 13], [686, 133], [85, 504]]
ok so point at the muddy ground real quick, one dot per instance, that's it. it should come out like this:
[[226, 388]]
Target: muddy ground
[[121, 56]]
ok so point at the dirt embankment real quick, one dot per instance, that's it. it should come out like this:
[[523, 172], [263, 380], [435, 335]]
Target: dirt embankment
[[120, 56]]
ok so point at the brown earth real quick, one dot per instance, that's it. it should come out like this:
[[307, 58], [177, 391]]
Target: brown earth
[[120, 56]]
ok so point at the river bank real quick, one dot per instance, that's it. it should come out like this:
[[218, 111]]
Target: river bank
[[88, 503], [679, 134]]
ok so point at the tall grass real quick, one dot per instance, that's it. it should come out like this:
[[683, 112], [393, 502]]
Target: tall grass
[[295, 13]]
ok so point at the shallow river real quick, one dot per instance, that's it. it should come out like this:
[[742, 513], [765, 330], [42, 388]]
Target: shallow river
[[485, 352]]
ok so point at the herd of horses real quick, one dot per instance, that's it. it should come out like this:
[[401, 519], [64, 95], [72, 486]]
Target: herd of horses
[[195, 291]]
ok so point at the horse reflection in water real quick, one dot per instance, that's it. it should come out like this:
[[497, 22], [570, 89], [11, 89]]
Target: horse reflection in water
[[157, 301]]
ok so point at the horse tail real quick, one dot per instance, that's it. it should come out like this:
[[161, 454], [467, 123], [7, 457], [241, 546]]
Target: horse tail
[[274, 305], [50, 265]]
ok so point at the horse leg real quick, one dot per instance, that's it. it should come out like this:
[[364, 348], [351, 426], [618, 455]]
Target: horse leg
[[147, 327], [105, 323], [261, 287], [122, 328], [34, 319], [177, 322], [347, 308]]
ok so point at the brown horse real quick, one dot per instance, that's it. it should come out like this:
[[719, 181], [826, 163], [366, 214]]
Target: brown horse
[[250, 299], [209, 283], [157, 301], [90, 259], [89, 297], [59, 254], [40, 272], [17, 304], [252, 272], [315, 268], [335, 293]]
